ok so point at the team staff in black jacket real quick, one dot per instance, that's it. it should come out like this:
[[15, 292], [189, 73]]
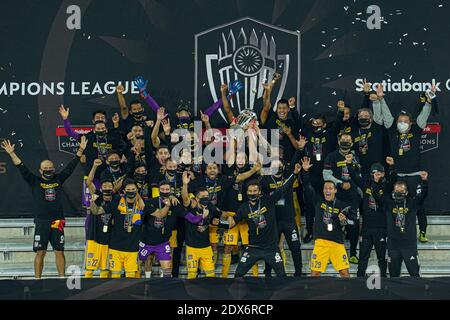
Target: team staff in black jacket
[[373, 231], [401, 212], [48, 209]]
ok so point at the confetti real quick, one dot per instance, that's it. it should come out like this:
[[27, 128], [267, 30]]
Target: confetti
[[13, 133], [89, 37], [316, 103]]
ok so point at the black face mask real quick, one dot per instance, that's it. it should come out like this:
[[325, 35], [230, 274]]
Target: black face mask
[[48, 174], [364, 122], [140, 137], [345, 145], [245, 168], [398, 196], [100, 134], [317, 129], [171, 172], [184, 120], [253, 197], [138, 114], [130, 194], [204, 201], [164, 195], [107, 192], [114, 164], [140, 177]]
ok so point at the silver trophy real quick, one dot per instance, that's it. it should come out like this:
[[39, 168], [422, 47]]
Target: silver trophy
[[244, 119], [242, 122]]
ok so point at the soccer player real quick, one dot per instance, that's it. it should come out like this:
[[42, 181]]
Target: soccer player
[[217, 185], [48, 211], [126, 232], [99, 230], [336, 169], [332, 215], [199, 252], [285, 214], [259, 212]]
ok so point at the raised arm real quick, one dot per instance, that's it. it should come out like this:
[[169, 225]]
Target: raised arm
[[280, 192], [184, 190], [141, 83], [67, 126], [422, 119], [122, 103], [268, 87], [97, 163], [246, 175], [226, 103], [160, 115], [70, 167]]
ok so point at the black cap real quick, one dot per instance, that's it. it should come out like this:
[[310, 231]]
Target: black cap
[[376, 167]]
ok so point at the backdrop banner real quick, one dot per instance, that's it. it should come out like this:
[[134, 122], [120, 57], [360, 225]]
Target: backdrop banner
[[188, 48]]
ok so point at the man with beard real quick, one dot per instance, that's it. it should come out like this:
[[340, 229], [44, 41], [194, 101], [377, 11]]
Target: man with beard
[[140, 176], [48, 211]]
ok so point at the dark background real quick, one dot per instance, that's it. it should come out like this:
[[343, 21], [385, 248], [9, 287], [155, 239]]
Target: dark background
[[119, 40]]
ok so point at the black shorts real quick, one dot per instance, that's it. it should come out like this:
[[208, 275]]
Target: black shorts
[[43, 234]]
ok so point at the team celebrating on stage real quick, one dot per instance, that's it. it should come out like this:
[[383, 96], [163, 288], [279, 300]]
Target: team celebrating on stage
[[153, 189]]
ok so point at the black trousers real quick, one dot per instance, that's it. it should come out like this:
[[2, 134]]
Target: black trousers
[[176, 258], [353, 230], [413, 182], [290, 231], [372, 238], [397, 256], [251, 255]]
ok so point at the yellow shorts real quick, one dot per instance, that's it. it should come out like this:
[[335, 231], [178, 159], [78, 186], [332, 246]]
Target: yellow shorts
[[213, 234], [325, 251], [200, 257], [96, 256], [119, 260], [173, 239], [231, 236]]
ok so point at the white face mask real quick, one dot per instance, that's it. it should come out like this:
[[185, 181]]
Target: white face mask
[[402, 127]]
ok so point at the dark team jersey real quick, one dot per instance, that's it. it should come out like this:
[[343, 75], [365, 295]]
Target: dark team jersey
[[405, 149], [197, 235], [373, 215], [273, 122], [124, 234], [217, 188], [99, 229], [327, 225], [47, 194], [369, 145], [99, 147], [284, 207], [176, 184], [335, 162], [236, 194], [159, 230], [261, 217]]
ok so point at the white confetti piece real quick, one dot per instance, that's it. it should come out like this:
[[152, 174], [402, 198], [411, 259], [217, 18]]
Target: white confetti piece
[[334, 93], [13, 133], [340, 75], [89, 37], [330, 55], [316, 103]]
